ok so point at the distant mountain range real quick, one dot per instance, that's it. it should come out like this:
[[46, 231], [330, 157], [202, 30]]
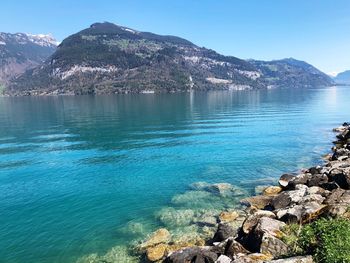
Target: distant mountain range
[[19, 52], [343, 78], [106, 58]]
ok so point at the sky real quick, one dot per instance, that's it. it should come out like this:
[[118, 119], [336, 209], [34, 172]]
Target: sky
[[316, 31]]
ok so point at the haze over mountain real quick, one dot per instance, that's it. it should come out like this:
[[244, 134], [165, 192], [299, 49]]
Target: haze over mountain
[[106, 58], [19, 52], [343, 77]]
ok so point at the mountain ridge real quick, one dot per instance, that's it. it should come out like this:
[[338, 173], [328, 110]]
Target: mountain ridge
[[107, 58], [20, 51], [343, 78]]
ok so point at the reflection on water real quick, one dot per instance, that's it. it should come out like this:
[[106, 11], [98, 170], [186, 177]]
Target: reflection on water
[[82, 175]]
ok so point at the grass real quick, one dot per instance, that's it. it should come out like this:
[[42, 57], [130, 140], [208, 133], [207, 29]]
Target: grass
[[328, 240]]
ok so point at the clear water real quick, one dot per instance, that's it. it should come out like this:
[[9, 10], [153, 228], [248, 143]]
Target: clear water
[[75, 171]]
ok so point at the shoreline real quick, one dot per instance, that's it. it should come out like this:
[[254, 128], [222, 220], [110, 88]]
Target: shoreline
[[315, 193]]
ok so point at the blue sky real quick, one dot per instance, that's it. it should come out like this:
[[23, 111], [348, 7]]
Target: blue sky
[[317, 31]]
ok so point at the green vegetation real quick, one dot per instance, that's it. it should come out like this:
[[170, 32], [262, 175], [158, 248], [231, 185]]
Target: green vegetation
[[328, 240]]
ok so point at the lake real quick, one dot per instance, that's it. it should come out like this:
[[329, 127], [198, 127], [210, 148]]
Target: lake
[[84, 174]]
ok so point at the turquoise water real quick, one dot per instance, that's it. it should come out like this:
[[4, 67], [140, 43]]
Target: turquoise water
[[77, 172]]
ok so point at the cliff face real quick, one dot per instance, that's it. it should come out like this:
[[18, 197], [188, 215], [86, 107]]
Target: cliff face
[[106, 58], [19, 52]]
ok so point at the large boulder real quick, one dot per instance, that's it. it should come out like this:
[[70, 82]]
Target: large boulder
[[192, 254], [301, 213], [259, 201], [253, 219], [234, 248], [288, 198], [223, 232], [269, 226], [270, 245], [285, 179], [338, 203], [300, 259]]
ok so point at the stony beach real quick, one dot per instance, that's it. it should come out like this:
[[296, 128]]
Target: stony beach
[[256, 233]]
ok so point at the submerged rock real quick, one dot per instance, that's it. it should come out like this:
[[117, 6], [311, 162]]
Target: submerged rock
[[162, 235], [157, 252], [118, 254], [172, 217]]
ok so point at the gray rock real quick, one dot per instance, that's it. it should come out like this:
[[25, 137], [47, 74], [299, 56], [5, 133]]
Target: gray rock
[[259, 201], [224, 232], [301, 259], [288, 198], [223, 259], [271, 245], [269, 226], [192, 254], [285, 179], [301, 213], [253, 219], [234, 248]]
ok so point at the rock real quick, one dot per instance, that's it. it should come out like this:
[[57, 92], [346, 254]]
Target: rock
[[259, 201], [156, 253], [269, 226], [205, 220], [253, 258], [300, 179], [317, 179], [228, 216], [338, 203], [342, 179], [273, 246], [300, 259], [192, 254], [285, 179], [224, 231], [288, 198], [171, 217], [314, 170], [234, 248], [252, 220], [272, 190], [301, 213], [162, 235], [317, 190], [223, 259], [260, 189]]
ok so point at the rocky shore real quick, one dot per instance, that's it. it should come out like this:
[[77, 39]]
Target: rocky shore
[[260, 232]]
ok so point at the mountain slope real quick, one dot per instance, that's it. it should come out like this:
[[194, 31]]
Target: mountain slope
[[106, 58], [292, 72], [343, 77], [19, 52]]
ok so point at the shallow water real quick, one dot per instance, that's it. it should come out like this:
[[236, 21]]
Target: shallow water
[[80, 175]]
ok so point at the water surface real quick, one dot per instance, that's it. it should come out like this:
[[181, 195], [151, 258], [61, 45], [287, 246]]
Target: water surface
[[76, 171]]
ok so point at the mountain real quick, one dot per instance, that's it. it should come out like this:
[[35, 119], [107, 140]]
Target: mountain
[[19, 52], [343, 77], [292, 72], [107, 58]]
